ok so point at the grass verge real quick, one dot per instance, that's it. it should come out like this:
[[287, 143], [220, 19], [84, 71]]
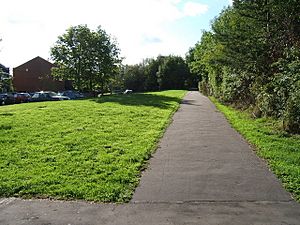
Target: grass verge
[[86, 149], [279, 149]]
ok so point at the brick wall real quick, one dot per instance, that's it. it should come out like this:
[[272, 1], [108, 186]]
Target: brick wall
[[35, 75]]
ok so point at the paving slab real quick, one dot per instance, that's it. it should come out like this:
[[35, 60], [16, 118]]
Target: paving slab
[[203, 172], [43, 212]]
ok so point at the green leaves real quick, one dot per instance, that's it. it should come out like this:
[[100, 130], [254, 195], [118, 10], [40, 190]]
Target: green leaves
[[162, 73], [172, 73], [250, 58], [88, 58]]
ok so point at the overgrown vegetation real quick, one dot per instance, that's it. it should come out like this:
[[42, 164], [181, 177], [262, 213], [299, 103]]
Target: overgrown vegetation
[[281, 150], [87, 149], [251, 59]]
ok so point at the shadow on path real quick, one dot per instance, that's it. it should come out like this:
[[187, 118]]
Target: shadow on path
[[190, 102]]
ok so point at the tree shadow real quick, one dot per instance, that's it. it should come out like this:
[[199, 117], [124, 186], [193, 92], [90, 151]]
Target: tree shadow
[[139, 99], [190, 102]]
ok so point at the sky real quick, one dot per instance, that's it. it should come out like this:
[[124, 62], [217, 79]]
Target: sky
[[142, 28]]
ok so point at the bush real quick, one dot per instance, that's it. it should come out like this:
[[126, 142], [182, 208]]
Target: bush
[[204, 87], [291, 120], [278, 98], [269, 102]]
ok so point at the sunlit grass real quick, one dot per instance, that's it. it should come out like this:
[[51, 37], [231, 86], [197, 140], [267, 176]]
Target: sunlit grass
[[89, 149]]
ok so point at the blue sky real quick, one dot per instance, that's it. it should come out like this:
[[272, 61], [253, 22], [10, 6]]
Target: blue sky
[[143, 28]]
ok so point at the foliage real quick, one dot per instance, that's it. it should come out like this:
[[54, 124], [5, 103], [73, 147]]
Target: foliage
[[172, 73], [162, 73], [250, 58], [192, 79], [5, 80], [134, 77], [6, 85], [88, 58], [204, 88], [292, 112], [151, 68], [90, 149], [281, 150]]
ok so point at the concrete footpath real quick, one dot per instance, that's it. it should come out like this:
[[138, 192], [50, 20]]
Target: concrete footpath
[[202, 173]]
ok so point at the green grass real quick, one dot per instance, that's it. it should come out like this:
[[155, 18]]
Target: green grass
[[281, 150], [90, 149]]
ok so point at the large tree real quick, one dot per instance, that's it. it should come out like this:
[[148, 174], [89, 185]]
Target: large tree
[[88, 58]]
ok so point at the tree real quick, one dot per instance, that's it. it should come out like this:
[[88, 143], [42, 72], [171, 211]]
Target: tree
[[193, 79], [151, 68], [172, 73], [134, 77], [88, 58]]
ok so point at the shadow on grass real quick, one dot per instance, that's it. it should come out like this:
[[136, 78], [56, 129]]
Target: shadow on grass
[[139, 99]]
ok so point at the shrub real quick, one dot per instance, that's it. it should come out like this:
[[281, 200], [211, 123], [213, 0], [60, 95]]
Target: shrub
[[269, 102], [287, 89], [292, 113], [278, 98], [204, 87]]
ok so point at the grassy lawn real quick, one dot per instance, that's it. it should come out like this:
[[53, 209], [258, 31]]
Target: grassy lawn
[[282, 151], [89, 149]]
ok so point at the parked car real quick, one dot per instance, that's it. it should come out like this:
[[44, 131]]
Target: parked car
[[22, 97], [7, 99], [47, 96], [127, 91], [72, 94]]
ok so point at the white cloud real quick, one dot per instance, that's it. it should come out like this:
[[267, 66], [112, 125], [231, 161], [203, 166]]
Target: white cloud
[[29, 28], [194, 9]]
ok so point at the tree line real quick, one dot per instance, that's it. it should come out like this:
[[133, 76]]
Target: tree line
[[251, 58], [91, 59], [161, 73]]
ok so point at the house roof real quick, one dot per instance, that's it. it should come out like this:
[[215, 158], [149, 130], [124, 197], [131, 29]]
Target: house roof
[[35, 59]]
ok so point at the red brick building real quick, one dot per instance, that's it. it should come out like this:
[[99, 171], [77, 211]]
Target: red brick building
[[35, 75]]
